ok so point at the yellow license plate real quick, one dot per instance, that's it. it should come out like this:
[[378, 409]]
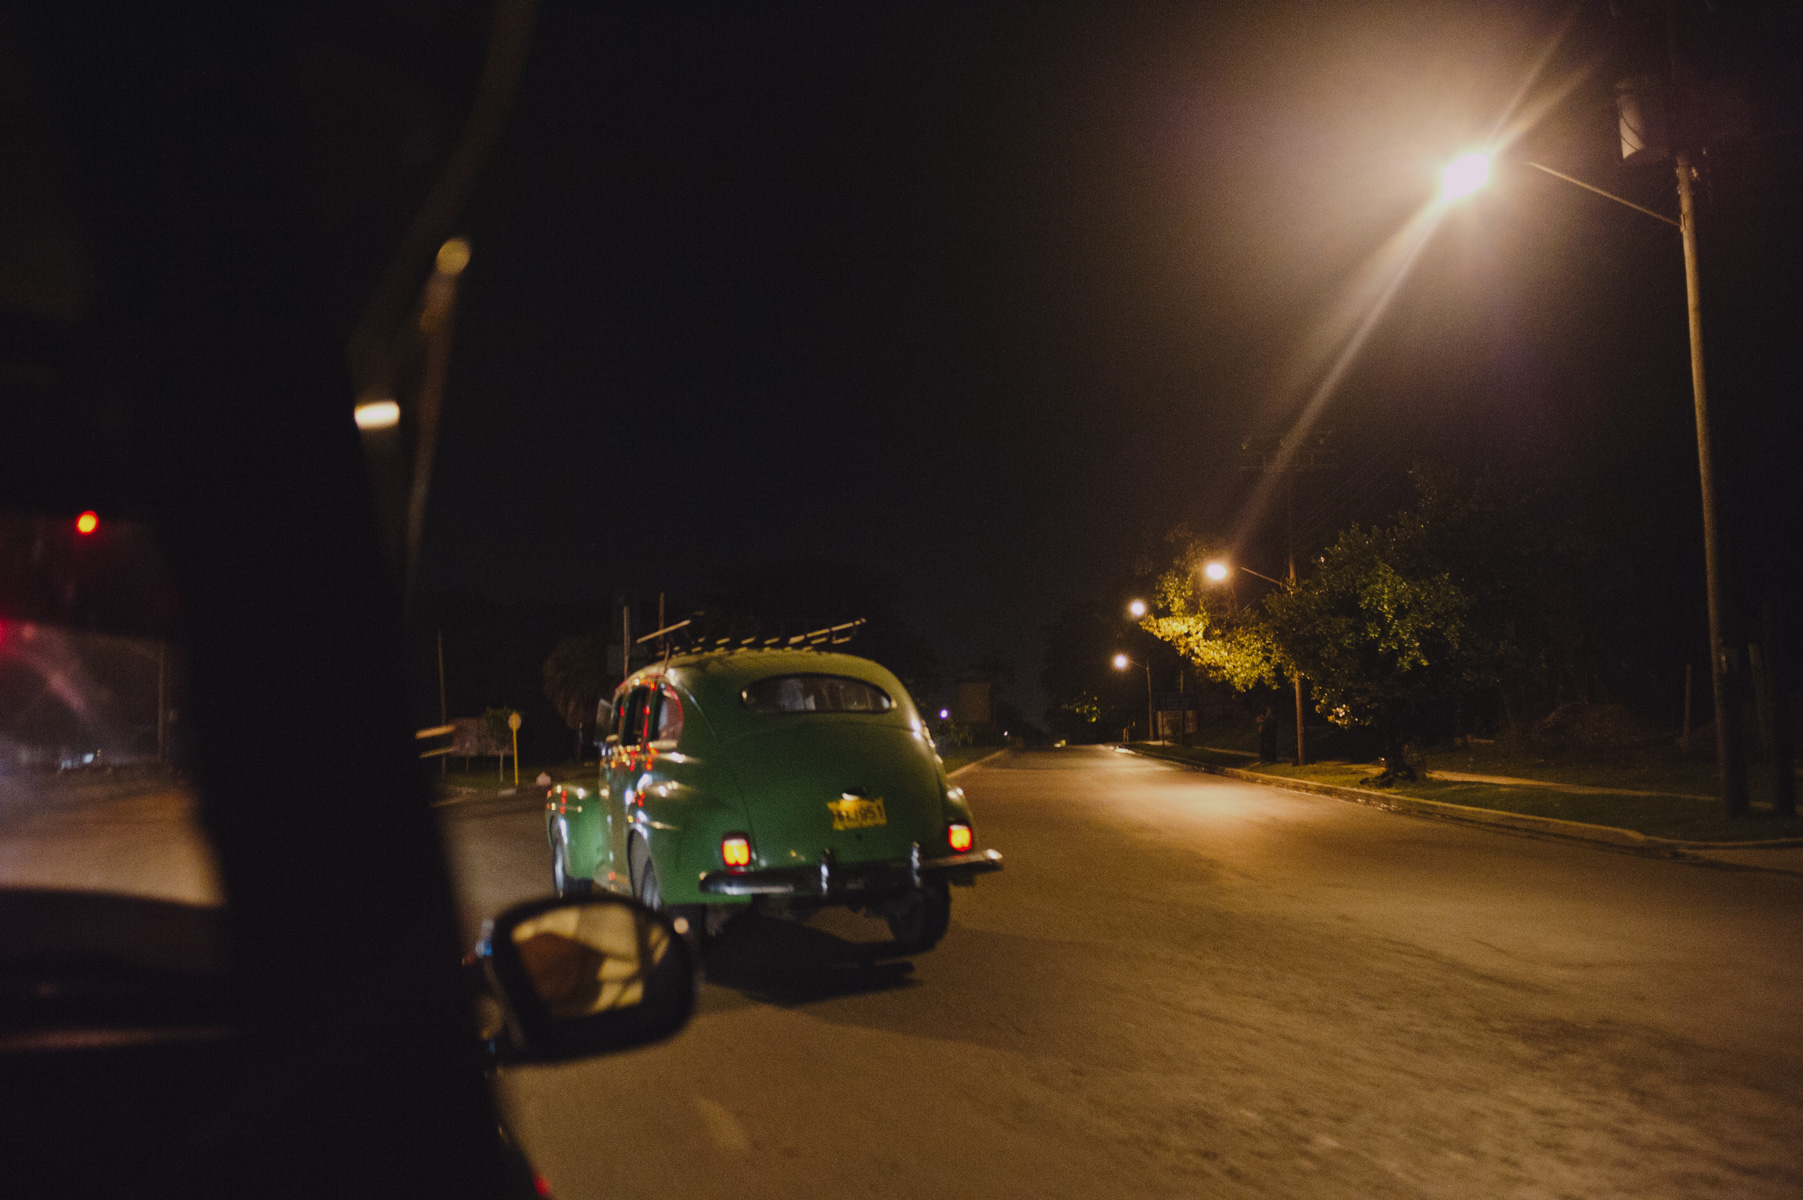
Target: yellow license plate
[[856, 813]]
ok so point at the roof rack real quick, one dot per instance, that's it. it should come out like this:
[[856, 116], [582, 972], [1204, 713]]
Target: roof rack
[[696, 634]]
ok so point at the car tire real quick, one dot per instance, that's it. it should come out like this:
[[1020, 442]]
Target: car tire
[[644, 876], [918, 920], [650, 893], [562, 882]]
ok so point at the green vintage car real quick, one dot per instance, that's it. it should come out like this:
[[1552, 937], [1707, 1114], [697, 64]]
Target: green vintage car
[[784, 779]]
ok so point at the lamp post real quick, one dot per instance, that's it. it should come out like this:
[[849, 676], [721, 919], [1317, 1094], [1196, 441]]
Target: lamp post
[[1219, 572], [1464, 176], [1121, 663]]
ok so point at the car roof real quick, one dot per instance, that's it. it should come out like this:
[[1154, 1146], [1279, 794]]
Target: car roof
[[715, 678]]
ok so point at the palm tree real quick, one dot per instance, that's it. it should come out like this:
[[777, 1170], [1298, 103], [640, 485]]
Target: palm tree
[[576, 677]]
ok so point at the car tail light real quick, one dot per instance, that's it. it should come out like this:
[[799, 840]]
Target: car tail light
[[735, 851], [959, 837]]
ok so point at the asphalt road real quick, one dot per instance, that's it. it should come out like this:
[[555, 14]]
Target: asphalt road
[[1189, 986], [135, 837]]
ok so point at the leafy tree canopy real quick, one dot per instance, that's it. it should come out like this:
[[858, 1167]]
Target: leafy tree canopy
[[494, 724], [1378, 627], [577, 677], [1204, 623]]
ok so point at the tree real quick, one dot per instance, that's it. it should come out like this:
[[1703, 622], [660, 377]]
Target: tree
[[576, 678], [1205, 624], [1481, 603], [1379, 630]]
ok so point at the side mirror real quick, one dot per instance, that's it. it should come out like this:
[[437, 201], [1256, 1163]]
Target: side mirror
[[586, 976]]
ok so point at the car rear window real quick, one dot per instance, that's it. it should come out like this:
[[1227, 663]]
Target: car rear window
[[666, 722], [816, 693]]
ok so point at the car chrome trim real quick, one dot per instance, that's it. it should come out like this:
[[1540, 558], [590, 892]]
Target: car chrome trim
[[833, 880]]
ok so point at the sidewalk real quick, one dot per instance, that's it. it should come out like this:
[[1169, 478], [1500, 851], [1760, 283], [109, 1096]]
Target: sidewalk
[[1783, 855], [1576, 789]]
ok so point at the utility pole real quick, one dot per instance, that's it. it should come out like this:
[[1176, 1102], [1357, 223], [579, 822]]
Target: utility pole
[[1151, 717], [1295, 676], [1659, 120], [1294, 456], [1731, 767], [625, 639], [442, 718]]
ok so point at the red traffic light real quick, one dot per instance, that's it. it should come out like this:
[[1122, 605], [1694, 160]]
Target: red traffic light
[[87, 523]]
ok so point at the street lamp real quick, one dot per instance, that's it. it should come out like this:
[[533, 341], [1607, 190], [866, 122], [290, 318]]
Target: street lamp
[[1731, 770], [1464, 175], [1121, 663], [1218, 571], [1137, 608]]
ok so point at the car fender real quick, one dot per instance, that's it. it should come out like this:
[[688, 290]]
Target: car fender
[[685, 802]]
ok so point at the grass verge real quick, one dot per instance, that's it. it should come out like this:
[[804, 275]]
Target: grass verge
[[1675, 816], [962, 756]]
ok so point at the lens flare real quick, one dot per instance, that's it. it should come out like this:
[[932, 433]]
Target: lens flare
[[377, 414], [1465, 175]]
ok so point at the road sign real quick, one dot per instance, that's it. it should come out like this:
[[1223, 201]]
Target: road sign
[[513, 723]]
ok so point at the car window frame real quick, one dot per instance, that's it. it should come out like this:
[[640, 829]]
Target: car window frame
[[633, 725], [665, 694], [745, 697]]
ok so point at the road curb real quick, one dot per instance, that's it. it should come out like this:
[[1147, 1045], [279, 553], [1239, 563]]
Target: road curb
[[1577, 831], [969, 765]]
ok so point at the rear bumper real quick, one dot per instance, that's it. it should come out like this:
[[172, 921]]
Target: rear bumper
[[831, 881]]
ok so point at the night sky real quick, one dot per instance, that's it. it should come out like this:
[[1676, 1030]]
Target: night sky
[[987, 296]]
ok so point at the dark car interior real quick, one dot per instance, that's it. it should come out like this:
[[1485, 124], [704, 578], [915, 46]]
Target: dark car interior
[[218, 220]]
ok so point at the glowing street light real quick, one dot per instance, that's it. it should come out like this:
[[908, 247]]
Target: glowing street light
[[1469, 172], [1464, 175], [1137, 608], [1218, 571], [1121, 663], [377, 414]]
